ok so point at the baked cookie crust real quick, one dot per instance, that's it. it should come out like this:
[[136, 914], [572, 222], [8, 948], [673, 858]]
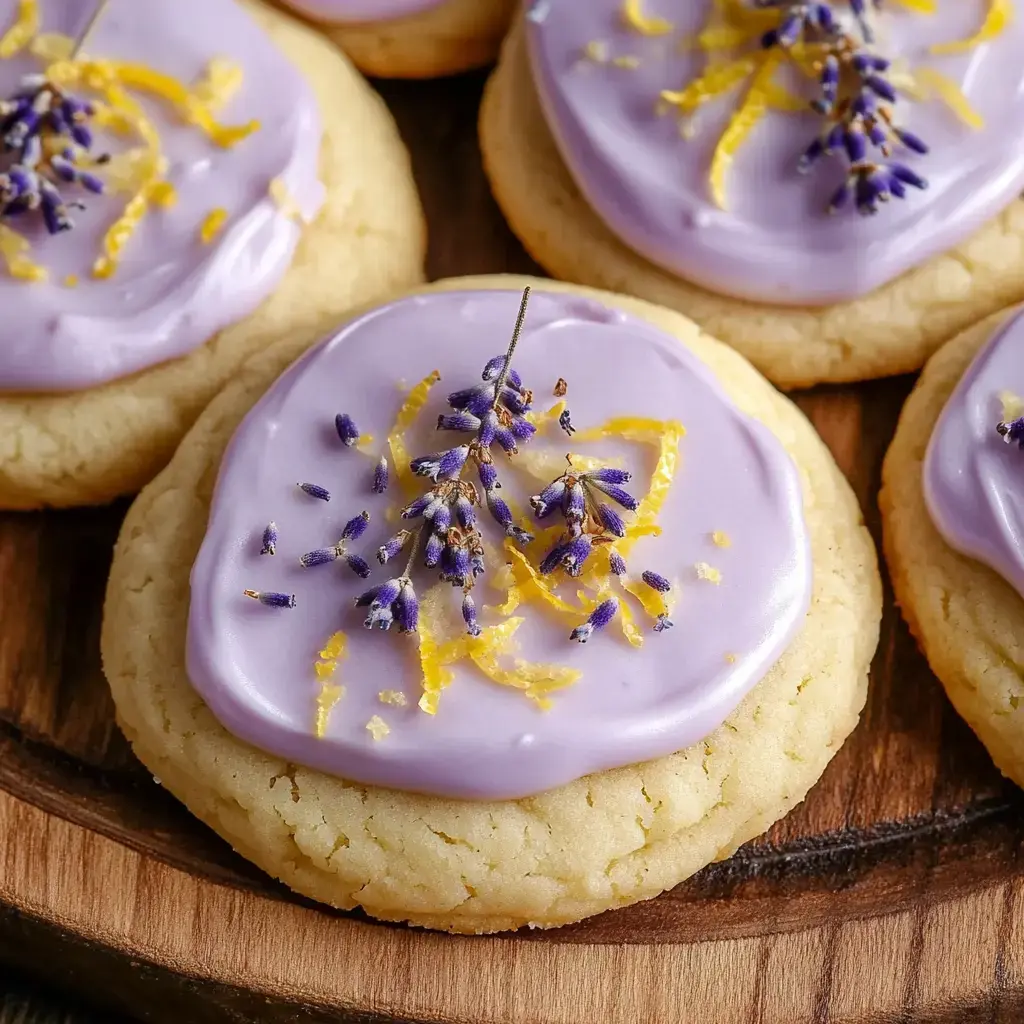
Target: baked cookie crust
[[893, 330], [486, 866], [88, 447], [967, 619]]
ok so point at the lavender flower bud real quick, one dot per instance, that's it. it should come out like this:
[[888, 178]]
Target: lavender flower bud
[[390, 549], [469, 615], [269, 540], [656, 581], [358, 565], [315, 491], [270, 599], [321, 556], [599, 618], [433, 550], [346, 428], [380, 476], [611, 520], [356, 527], [617, 564]]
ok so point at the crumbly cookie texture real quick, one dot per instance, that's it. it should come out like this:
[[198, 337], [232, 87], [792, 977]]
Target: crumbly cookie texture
[[369, 240], [893, 330], [457, 36], [968, 620], [604, 841]]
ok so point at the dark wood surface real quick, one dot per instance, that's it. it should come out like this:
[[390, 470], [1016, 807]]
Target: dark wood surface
[[892, 893]]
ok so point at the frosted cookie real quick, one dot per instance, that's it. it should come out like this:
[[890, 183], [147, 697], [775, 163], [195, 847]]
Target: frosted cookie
[[833, 195], [413, 38], [651, 633], [953, 507], [175, 194]]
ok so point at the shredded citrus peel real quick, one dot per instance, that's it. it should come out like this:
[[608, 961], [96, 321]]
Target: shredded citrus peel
[[407, 414], [334, 650], [1013, 406], [999, 16], [933, 83], [21, 33], [634, 17], [14, 250], [212, 224]]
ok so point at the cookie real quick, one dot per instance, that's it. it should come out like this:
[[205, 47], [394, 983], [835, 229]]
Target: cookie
[[454, 799], [952, 504], [247, 199], [413, 38], [630, 158]]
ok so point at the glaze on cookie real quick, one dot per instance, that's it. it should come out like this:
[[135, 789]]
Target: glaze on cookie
[[612, 78], [973, 479], [733, 547], [208, 235]]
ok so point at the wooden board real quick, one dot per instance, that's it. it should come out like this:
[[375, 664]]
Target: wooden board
[[894, 893]]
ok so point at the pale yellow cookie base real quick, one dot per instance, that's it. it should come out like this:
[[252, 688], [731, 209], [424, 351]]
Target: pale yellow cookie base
[[892, 330], [88, 447], [968, 620], [604, 841], [457, 36]]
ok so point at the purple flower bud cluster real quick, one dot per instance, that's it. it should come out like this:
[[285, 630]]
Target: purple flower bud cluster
[[856, 100], [46, 134], [590, 521]]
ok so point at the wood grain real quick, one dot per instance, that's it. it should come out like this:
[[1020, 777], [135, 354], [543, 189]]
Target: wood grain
[[894, 893]]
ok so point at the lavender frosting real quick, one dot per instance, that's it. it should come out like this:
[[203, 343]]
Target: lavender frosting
[[171, 292], [342, 12], [254, 665], [774, 243], [973, 480]]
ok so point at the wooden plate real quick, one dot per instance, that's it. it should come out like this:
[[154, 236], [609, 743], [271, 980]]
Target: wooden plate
[[892, 894]]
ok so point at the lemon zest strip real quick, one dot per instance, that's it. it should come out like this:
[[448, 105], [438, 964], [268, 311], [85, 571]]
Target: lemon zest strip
[[21, 33], [648, 25], [1000, 15], [741, 124], [934, 83], [407, 414], [13, 249]]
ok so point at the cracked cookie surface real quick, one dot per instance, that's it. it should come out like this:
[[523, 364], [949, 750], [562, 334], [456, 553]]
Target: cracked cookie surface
[[604, 841], [892, 330], [965, 616], [88, 447]]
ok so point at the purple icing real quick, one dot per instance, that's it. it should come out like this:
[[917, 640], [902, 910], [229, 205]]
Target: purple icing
[[171, 292], [774, 243], [973, 480], [342, 12], [254, 665]]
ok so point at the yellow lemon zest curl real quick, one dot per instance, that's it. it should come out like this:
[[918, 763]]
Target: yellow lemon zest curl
[[407, 414], [634, 17], [999, 17], [330, 693], [24, 29], [933, 83]]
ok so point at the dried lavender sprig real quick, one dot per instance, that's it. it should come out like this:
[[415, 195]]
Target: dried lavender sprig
[[861, 119]]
